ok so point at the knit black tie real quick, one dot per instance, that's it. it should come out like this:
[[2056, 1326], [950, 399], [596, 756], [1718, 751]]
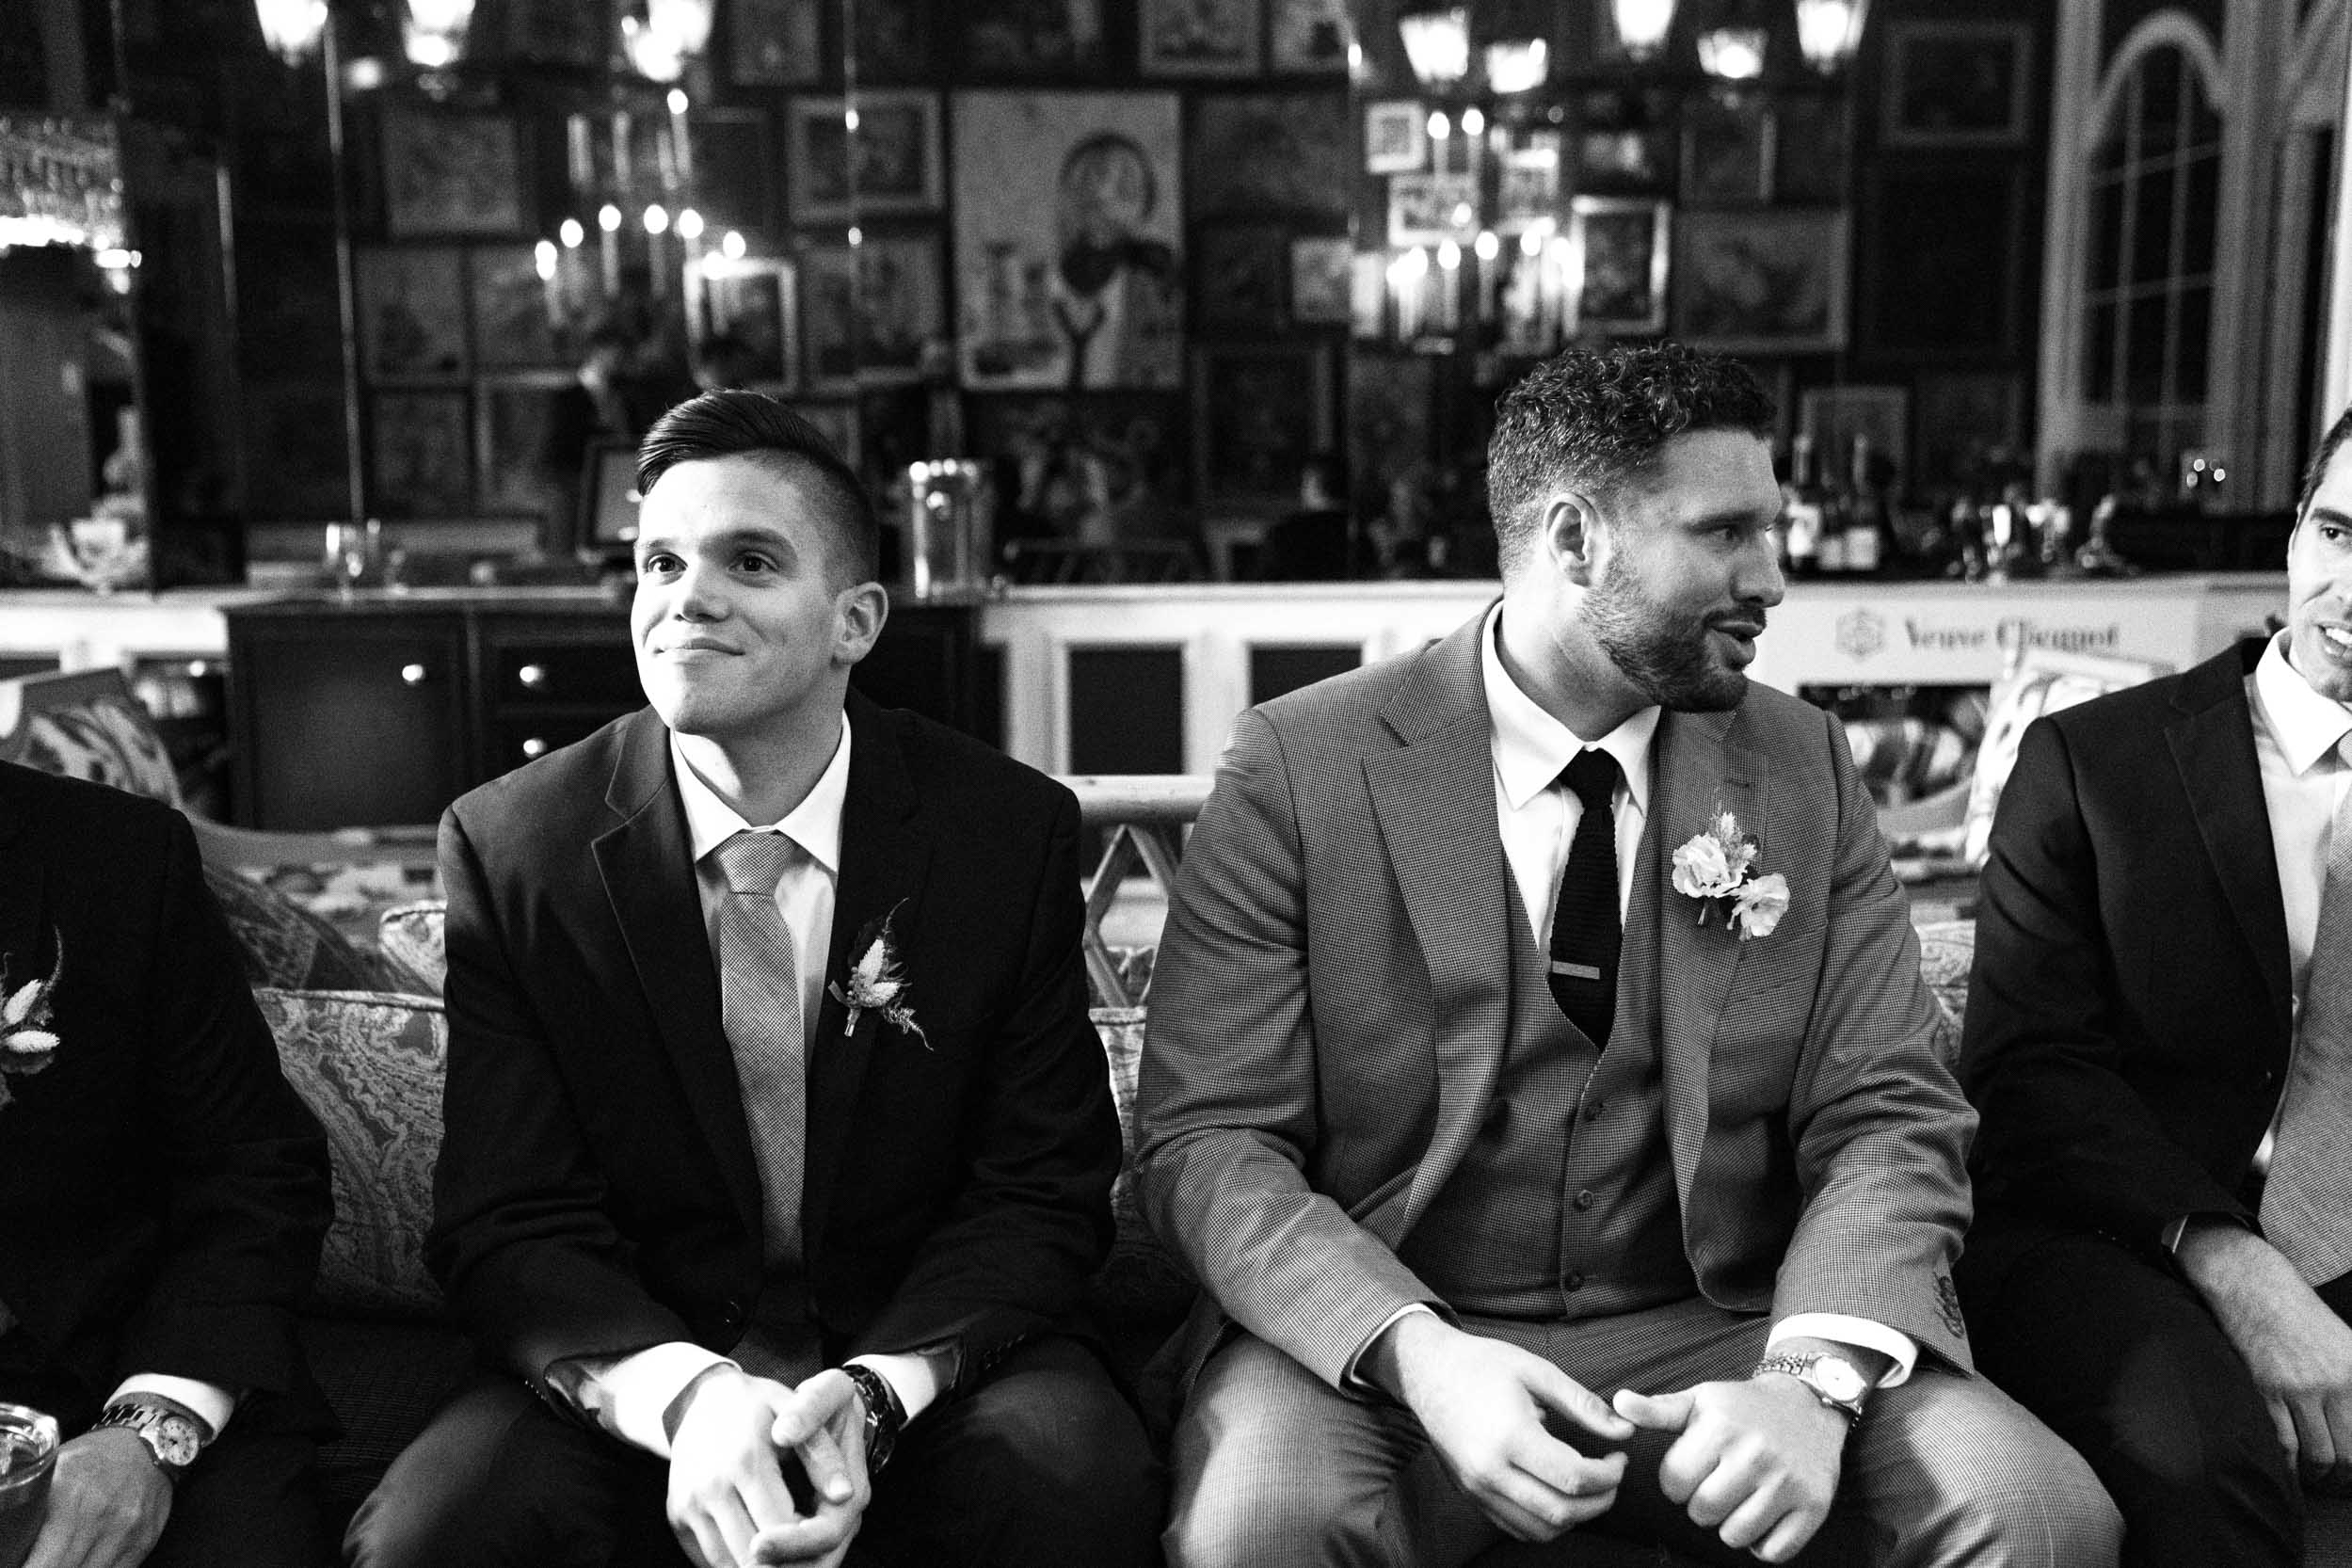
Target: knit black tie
[[1585, 933]]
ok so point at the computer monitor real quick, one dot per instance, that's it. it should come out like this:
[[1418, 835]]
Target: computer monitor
[[608, 498]]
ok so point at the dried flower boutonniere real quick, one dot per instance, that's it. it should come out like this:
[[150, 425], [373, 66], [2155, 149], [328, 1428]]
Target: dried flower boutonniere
[[877, 981], [1719, 864], [27, 1043]]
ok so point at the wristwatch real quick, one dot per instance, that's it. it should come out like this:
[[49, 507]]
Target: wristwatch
[[173, 1435], [884, 1416], [1835, 1381]]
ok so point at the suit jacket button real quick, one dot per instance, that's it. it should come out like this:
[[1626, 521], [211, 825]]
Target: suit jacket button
[[1584, 1200], [1573, 1282]]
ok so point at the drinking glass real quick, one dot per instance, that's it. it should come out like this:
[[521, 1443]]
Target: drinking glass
[[352, 553], [28, 1452]]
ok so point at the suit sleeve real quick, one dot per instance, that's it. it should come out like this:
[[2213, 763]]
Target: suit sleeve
[[2064, 1134], [243, 1161], [1014, 1250], [1880, 1128], [532, 1268], [1227, 1097]]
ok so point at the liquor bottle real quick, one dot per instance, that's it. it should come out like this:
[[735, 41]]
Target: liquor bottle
[[1866, 525], [1801, 511]]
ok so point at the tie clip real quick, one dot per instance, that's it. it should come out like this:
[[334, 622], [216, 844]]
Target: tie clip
[[1576, 972]]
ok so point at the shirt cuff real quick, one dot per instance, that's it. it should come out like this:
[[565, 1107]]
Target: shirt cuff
[[627, 1397], [914, 1376], [1352, 1378], [1859, 1332], [213, 1404]]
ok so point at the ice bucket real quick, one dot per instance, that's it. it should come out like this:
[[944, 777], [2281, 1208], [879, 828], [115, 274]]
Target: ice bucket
[[951, 521]]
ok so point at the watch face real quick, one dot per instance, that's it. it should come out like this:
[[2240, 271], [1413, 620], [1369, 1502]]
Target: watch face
[[1837, 1379], [174, 1440]]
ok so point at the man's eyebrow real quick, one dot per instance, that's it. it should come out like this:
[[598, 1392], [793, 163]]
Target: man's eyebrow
[[2329, 514]]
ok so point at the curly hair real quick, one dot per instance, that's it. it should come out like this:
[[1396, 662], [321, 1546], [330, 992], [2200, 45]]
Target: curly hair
[[731, 423], [1593, 419]]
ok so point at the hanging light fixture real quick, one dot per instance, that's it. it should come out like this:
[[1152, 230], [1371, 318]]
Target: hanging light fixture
[[1517, 66], [1732, 53], [292, 27], [1643, 25], [686, 24], [433, 32], [1437, 43], [1829, 32]]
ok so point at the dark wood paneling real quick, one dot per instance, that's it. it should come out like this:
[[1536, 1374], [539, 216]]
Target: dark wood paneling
[[1126, 710], [1277, 669]]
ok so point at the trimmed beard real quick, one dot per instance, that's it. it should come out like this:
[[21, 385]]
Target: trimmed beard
[[1667, 656]]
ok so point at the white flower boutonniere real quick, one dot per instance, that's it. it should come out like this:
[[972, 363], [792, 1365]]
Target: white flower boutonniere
[[1719, 864], [27, 1043], [878, 982]]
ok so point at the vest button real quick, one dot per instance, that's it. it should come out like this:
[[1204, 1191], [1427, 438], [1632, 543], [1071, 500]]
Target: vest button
[[1584, 1199], [1573, 1282]]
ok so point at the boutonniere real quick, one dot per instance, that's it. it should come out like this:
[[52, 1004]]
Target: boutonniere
[[1721, 864], [27, 1043], [877, 980]]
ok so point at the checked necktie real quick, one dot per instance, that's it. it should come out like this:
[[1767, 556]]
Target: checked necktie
[[2307, 1200], [1586, 936], [760, 1005]]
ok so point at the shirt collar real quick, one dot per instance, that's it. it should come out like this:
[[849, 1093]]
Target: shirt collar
[[2306, 725], [814, 825], [1532, 747]]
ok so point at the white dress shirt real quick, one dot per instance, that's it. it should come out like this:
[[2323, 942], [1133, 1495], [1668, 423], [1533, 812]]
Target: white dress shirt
[[628, 1396]]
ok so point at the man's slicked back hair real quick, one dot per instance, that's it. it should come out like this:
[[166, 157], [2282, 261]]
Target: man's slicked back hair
[[1591, 420], [2316, 469], [731, 424]]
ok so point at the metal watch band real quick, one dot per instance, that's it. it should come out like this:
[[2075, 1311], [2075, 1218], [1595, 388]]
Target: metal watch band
[[884, 1416], [175, 1435], [1800, 1367]]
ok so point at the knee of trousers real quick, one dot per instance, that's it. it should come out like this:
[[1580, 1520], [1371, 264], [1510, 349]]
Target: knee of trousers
[[1066, 1479], [470, 1522], [1295, 1526], [2052, 1514]]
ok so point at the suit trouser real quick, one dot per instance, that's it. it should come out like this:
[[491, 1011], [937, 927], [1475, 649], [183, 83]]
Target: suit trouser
[[1273, 1465], [1043, 1463], [2123, 1359]]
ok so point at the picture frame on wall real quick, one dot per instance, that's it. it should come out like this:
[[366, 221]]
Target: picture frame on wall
[[871, 312], [409, 305], [514, 311], [755, 300], [1322, 269], [1396, 136], [420, 454], [1259, 412], [511, 418], [1833, 416], [1200, 38], [1258, 155], [1427, 209], [734, 170], [1963, 84], [1526, 187], [450, 173], [1618, 161], [1726, 155], [1770, 281], [1242, 277], [775, 43], [1310, 37], [1057, 38], [898, 169], [1623, 242]]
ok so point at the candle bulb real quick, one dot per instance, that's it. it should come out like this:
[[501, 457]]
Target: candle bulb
[[608, 220], [1448, 286], [547, 258]]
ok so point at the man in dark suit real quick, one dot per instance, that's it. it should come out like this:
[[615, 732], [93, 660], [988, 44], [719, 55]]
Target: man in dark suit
[[1542, 1083], [2152, 938], [778, 1143], [163, 1194]]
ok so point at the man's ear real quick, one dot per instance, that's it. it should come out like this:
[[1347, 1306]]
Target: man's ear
[[858, 612], [1566, 537]]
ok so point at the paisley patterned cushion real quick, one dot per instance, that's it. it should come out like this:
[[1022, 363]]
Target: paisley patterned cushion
[[286, 946], [1946, 948], [109, 739], [411, 933], [370, 1067]]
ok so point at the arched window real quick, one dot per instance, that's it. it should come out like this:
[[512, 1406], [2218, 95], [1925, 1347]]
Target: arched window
[[2153, 193]]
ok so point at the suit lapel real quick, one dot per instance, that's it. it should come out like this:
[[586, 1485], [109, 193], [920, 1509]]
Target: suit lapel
[[2213, 743], [1698, 772], [647, 866], [1434, 798], [23, 898], [886, 858]]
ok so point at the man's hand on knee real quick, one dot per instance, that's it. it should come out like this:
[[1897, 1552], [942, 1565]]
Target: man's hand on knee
[[109, 1503], [822, 1425], [2298, 1351], [1757, 1460], [1482, 1403], [727, 1483]]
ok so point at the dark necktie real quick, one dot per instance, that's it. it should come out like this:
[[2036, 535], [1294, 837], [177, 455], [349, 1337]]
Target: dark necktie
[[1585, 933], [2309, 1190]]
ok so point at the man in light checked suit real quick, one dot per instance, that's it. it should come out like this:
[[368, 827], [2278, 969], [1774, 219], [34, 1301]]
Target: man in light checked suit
[[1517, 1228]]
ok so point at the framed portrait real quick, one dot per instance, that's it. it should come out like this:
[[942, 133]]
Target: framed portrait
[[1200, 38], [1309, 36], [1727, 154], [1321, 275], [1425, 209], [1241, 278], [1070, 239], [410, 305], [1526, 187], [897, 147], [1033, 38], [1833, 416], [734, 167], [775, 43], [839, 423], [1256, 155], [514, 310], [1396, 136], [755, 301], [1761, 281], [511, 416], [420, 454], [1957, 84], [449, 173], [1809, 151], [1623, 241], [1259, 413]]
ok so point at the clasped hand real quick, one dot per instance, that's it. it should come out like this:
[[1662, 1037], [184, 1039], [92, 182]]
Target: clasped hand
[[729, 1504], [1756, 1461]]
